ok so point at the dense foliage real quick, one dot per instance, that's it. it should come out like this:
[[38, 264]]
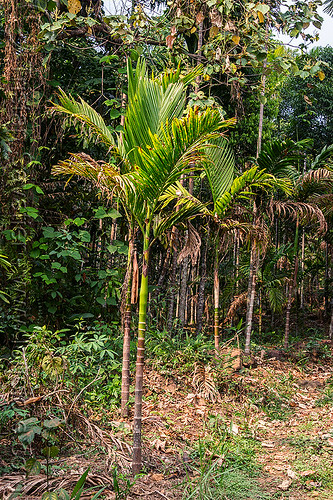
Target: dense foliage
[[167, 170]]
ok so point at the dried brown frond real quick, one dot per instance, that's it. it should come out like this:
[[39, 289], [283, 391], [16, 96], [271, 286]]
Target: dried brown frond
[[316, 175], [258, 235], [238, 301], [204, 383], [305, 212], [191, 247], [118, 451], [34, 487]]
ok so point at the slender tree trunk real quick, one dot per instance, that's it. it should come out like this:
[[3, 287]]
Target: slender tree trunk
[[292, 288], [326, 300], [254, 261], [260, 313], [302, 269], [201, 291], [143, 301], [262, 100], [216, 293], [330, 333], [125, 378], [261, 115], [172, 290], [182, 291]]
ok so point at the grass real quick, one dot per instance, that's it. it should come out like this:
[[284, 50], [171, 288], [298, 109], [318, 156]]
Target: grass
[[314, 455], [326, 398]]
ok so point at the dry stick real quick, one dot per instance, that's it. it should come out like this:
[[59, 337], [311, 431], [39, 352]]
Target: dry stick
[[27, 372], [82, 390]]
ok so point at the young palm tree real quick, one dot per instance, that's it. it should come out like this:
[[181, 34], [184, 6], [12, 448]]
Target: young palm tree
[[156, 149], [281, 158]]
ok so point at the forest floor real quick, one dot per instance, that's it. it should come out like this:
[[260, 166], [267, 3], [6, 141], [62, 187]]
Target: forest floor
[[267, 435]]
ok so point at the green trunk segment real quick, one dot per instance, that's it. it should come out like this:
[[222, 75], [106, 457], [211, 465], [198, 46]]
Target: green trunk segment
[[125, 374], [216, 293], [143, 302]]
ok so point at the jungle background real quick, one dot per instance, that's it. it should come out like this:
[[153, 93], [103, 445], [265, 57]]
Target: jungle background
[[237, 384]]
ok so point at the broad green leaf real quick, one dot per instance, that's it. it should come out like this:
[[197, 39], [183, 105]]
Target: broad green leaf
[[32, 466]]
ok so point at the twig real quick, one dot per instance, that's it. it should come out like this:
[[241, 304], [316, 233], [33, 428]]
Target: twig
[[27, 372], [82, 390], [54, 392]]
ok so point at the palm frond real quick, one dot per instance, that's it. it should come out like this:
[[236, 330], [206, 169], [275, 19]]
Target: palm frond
[[103, 175], [183, 213], [314, 182], [325, 154], [304, 211], [328, 7], [280, 158], [243, 187], [170, 76], [150, 107], [219, 167], [177, 151], [4, 262], [82, 112], [276, 296]]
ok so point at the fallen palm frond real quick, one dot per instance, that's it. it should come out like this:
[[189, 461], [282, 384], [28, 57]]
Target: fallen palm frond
[[33, 487], [118, 451], [204, 382]]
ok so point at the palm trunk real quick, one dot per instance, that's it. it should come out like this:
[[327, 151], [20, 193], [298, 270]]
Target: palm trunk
[[143, 302], [330, 332], [260, 313], [216, 293], [182, 291], [302, 269], [292, 288], [262, 100], [125, 373], [201, 291], [254, 260], [172, 291]]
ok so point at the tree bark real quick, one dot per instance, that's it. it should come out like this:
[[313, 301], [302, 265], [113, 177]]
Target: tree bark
[[127, 314], [216, 293], [137, 424], [330, 332], [182, 291], [202, 284], [254, 260]]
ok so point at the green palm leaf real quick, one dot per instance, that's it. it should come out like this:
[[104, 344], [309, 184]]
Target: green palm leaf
[[321, 159], [84, 113], [280, 158], [219, 167], [243, 187], [179, 148]]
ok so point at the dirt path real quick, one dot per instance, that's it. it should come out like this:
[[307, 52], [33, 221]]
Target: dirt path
[[261, 434], [286, 414]]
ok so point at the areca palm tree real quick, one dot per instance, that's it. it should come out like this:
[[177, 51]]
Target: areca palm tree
[[301, 204], [157, 147]]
